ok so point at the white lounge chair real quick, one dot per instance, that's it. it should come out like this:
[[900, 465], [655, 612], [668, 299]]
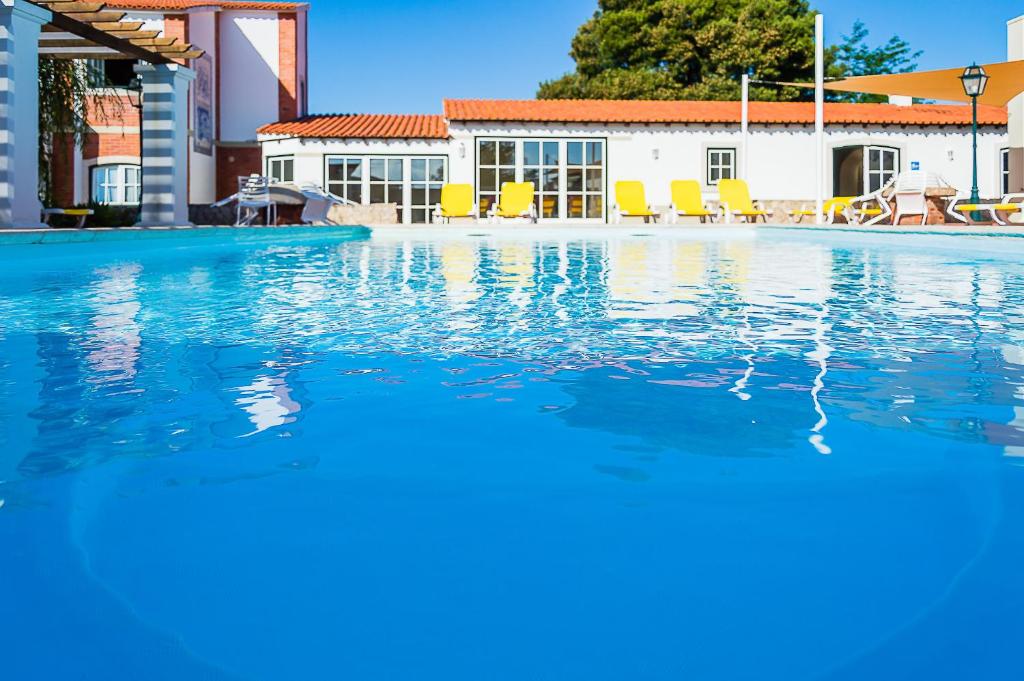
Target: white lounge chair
[[318, 205], [1009, 204], [871, 209], [909, 194], [254, 196]]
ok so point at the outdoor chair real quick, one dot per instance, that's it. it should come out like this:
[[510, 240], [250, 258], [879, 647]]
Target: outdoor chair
[[516, 202], [254, 196], [831, 209], [631, 202], [909, 193], [81, 213], [456, 202], [734, 198], [688, 201], [1009, 204]]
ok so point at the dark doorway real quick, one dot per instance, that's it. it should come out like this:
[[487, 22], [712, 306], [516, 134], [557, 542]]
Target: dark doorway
[[848, 171]]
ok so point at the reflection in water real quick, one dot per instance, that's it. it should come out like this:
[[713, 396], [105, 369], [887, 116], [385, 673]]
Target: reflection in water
[[728, 347]]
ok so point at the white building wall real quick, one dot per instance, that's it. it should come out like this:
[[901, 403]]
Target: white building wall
[[781, 158], [1015, 51], [202, 167], [249, 68]]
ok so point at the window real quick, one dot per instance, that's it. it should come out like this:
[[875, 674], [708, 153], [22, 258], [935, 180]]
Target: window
[[721, 165], [386, 181], [540, 166], [281, 169], [117, 184], [883, 164], [568, 174], [107, 73], [427, 176], [584, 179], [413, 183], [345, 178], [496, 165], [1004, 170]]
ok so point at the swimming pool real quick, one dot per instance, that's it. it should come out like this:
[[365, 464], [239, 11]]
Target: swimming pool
[[619, 454]]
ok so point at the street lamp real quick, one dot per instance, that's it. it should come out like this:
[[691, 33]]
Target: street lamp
[[974, 81]]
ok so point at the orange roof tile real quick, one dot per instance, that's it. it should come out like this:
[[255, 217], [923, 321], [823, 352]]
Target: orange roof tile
[[644, 111], [378, 126], [179, 5]]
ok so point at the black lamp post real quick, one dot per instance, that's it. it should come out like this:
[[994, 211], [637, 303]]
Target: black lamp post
[[974, 80]]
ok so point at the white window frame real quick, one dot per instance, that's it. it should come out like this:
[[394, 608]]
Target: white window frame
[[884, 175], [563, 167], [430, 185], [1004, 170], [715, 169], [365, 183], [278, 175], [126, 176]]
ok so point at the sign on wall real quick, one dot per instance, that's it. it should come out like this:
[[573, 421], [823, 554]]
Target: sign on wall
[[204, 105]]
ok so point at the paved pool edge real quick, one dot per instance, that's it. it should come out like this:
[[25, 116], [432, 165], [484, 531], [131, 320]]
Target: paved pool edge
[[91, 235]]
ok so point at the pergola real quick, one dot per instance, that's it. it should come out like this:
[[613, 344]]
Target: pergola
[[75, 29]]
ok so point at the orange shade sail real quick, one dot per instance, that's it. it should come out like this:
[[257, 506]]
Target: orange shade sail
[[1006, 81]]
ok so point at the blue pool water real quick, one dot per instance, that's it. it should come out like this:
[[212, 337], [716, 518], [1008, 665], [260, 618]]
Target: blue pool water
[[614, 455]]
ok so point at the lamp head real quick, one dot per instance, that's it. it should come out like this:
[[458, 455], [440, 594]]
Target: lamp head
[[974, 80]]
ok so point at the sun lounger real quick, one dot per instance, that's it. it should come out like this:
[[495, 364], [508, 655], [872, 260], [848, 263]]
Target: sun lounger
[[688, 201], [734, 196], [515, 202], [81, 213], [630, 202], [456, 202]]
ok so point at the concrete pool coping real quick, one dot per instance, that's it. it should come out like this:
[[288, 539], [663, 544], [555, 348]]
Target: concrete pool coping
[[100, 234]]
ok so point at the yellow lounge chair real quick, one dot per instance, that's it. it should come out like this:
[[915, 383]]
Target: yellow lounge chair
[[1011, 203], [838, 205], [687, 201], [81, 214], [631, 202], [735, 201], [516, 201], [456, 202]]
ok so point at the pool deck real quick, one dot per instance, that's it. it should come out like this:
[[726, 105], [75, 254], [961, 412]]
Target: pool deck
[[92, 234], [944, 230]]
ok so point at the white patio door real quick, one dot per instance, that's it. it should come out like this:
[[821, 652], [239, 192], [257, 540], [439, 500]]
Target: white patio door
[[881, 165]]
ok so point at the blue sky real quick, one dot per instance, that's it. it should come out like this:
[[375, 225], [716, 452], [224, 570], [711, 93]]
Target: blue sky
[[404, 56]]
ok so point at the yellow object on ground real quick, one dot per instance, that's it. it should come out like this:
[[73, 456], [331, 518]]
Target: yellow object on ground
[[735, 199], [457, 201], [688, 200], [516, 200], [629, 195]]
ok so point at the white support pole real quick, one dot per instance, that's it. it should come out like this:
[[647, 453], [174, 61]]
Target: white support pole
[[20, 24], [819, 116], [164, 144], [745, 126]]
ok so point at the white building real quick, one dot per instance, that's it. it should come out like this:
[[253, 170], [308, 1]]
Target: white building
[[574, 151]]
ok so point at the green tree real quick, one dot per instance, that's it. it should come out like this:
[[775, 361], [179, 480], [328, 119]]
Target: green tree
[[698, 49], [854, 58]]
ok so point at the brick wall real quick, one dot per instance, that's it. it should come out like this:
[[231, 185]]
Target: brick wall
[[234, 162], [288, 67], [111, 144]]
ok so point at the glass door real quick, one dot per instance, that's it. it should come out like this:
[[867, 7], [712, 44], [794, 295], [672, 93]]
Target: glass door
[[541, 166], [882, 165], [584, 180], [386, 182], [427, 176], [496, 164]]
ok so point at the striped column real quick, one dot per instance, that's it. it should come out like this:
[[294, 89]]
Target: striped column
[[20, 23], [164, 144]]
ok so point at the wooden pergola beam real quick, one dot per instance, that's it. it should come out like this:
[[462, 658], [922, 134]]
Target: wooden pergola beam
[[83, 27]]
